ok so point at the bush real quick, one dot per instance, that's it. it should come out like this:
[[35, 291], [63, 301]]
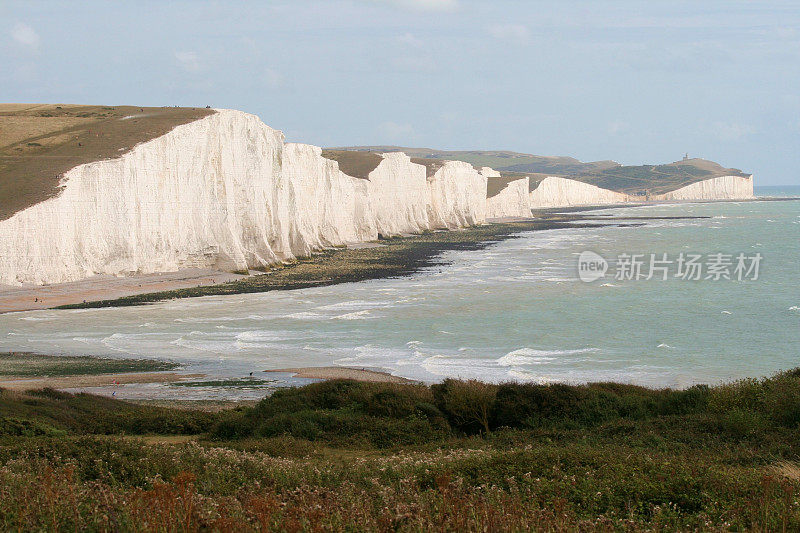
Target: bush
[[531, 405], [776, 398], [741, 423], [467, 404], [88, 414], [14, 427], [341, 411]]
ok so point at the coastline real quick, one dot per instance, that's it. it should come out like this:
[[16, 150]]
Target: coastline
[[392, 257]]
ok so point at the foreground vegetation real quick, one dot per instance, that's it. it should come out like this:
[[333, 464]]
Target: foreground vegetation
[[343, 455]]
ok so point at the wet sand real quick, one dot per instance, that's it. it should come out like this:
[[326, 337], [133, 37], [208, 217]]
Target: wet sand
[[92, 380], [342, 372], [30, 297]]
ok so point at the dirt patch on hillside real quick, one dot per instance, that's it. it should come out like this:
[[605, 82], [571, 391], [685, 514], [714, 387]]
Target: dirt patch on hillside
[[431, 165]]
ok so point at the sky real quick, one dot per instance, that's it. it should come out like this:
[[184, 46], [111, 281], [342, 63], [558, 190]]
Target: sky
[[636, 82]]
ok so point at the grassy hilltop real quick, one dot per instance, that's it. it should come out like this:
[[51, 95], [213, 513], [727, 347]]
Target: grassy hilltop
[[654, 179], [40, 142], [458, 456]]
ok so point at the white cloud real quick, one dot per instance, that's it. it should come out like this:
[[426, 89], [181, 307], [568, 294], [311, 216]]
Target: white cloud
[[271, 78], [421, 5], [410, 40], [188, 61], [25, 36], [617, 126], [516, 33], [394, 132], [731, 131]]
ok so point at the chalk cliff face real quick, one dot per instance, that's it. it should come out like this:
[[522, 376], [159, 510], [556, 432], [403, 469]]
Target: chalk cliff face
[[175, 201], [562, 192], [457, 196], [721, 188], [511, 201], [398, 195], [225, 192], [325, 207]]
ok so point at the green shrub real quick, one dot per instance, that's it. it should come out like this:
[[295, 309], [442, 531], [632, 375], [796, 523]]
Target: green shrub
[[776, 398], [341, 411], [740, 423], [683, 402], [15, 427], [468, 405]]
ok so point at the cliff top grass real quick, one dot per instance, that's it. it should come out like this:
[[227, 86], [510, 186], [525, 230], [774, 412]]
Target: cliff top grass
[[455, 456], [657, 179], [647, 179], [431, 165], [496, 159], [40, 142], [495, 185], [356, 164]]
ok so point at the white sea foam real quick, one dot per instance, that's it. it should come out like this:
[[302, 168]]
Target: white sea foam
[[304, 315], [261, 336], [357, 315], [530, 356], [353, 305]]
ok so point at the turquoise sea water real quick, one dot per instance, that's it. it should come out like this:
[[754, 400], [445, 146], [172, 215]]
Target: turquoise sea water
[[514, 311]]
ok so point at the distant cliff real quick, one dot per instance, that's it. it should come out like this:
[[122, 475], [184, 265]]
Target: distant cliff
[[721, 188], [562, 192], [639, 181]]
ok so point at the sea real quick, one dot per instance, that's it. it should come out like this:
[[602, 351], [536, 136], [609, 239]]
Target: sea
[[649, 299]]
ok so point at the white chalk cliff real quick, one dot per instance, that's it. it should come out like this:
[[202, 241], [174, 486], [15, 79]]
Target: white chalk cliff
[[224, 192], [457, 196], [721, 188], [562, 192], [511, 201]]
